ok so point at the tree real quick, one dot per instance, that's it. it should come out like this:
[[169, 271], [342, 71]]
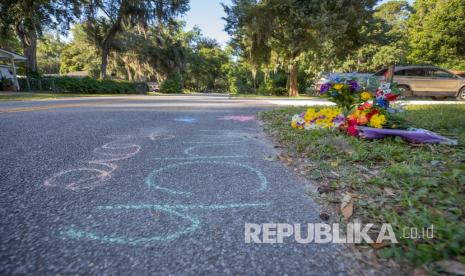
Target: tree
[[79, 54], [386, 39], [105, 20], [28, 19], [49, 50], [437, 33], [207, 64], [291, 28]]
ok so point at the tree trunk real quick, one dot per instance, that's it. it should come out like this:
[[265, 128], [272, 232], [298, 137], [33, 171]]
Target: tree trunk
[[129, 72], [28, 40], [106, 45], [293, 82], [30, 51], [104, 64], [254, 78]]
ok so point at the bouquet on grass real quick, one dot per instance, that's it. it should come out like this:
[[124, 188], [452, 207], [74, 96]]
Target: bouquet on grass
[[363, 114], [344, 93]]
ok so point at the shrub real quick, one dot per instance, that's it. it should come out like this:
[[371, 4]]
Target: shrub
[[280, 91], [266, 88], [172, 85], [89, 85]]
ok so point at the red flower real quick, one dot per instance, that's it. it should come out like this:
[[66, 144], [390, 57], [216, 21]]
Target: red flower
[[365, 105], [372, 113], [352, 128], [391, 97]]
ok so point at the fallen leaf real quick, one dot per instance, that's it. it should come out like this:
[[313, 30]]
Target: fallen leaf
[[286, 159], [452, 267], [348, 210], [324, 189], [389, 191], [347, 206], [379, 245], [420, 271], [346, 199], [334, 164], [324, 216]]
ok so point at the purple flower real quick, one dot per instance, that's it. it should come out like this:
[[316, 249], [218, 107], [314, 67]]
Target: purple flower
[[353, 84], [339, 119], [324, 88]]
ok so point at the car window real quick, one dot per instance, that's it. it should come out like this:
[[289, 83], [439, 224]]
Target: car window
[[381, 72], [399, 73], [435, 73], [415, 72]]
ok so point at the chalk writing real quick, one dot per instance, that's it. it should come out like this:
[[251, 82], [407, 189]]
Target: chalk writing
[[99, 170], [178, 211], [152, 182], [181, 213], [187, 120], [239, 118]]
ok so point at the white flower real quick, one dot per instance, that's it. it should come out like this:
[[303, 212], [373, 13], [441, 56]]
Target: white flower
[[384, 85]]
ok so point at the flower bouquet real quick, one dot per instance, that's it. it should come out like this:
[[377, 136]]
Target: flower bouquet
[[329, 117], [363, 114], [344, 93]]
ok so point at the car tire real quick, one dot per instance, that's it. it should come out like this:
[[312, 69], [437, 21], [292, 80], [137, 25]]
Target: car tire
[[461, 94], [405, 91]]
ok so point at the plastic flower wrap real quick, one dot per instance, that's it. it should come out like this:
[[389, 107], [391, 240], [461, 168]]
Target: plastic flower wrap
[[329, 117]]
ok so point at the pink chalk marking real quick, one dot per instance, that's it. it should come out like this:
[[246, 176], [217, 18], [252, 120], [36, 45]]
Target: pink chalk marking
[[239, 118]]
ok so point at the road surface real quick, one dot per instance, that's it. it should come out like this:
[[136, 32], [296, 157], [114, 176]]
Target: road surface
[[148, 185]]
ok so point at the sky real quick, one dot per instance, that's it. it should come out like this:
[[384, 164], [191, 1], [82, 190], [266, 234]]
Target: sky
[[207, 15]]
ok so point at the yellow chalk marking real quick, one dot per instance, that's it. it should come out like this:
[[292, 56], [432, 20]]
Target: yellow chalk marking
[[54, 106]]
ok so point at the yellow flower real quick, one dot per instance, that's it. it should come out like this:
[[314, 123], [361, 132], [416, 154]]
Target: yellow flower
[[294, 124], [377, 121], [338, 86], [365, 96], [310, 114]]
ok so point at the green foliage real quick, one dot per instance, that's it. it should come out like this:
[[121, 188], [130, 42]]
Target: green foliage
[[172, 85], [49, 50], [425, 183], [91, 86], [28, 20], [437, 33], [207, 65], [79, 55], [280, 32]]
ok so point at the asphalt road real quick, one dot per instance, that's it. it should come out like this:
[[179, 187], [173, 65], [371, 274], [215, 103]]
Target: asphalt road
[[148, 185]]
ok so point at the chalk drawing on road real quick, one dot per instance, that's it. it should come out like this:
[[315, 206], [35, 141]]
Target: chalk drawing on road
[[192, 155], [221, 138], [179, 211], [238, 118], [187, 120], [155, 136], [99, 170], [152, 182]]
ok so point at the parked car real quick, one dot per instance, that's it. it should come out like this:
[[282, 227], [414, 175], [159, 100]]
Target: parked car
[[430, 81], [153, 86], [6, 78], [361, 78]]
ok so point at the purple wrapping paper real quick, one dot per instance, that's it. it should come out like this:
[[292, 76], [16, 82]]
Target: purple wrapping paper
[[413, 135]]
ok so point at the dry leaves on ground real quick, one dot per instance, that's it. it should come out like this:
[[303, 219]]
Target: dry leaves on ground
[[347, 206]]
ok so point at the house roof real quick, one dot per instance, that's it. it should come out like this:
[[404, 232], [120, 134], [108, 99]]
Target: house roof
[[4, 54]]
